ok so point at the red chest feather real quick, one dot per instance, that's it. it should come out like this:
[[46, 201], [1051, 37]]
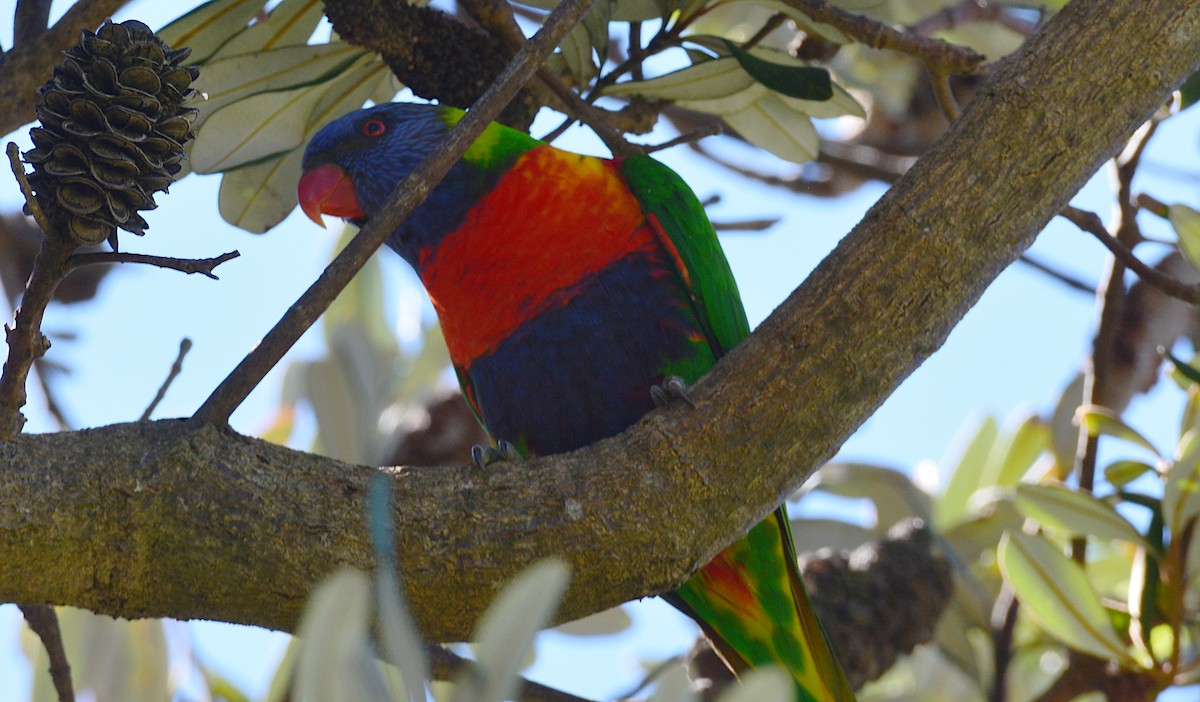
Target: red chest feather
[[554, 219]]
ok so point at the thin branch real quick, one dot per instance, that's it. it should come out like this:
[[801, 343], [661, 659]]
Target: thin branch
[[43, 620], [40, 369], [404, 199], [185, 345], [1064, 278], [203, 266], [1004, 622], [1090, 223], [944, 94], [447, 665], [938, 55], [18, 170]]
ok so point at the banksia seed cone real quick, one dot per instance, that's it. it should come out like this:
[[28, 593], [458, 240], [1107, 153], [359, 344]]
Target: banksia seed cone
[[112, 134]]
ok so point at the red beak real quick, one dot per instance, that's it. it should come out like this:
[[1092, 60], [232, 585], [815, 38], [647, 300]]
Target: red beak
[[327, 190]]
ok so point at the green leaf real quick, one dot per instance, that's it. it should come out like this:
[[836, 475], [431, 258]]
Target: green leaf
[[1186, 222], [797, 81], [966, 470], [289, 23], [613, 620], [1102, 421], [1181, 494], [1185, 369], [1016, 450], [674, 686], [1057, 593], [257, 197], [1074, 512], [811, 535], [228, 80], [895, 496], [773, 126], [1189, 92], [1063, 429], [209, 26], [504, 636], [335, 661], [1121, 473], [401, 644], [709, 79], [113, 659], [769, 684]]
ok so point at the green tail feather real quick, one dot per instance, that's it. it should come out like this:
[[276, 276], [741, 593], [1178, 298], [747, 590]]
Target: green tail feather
[[752, 605]]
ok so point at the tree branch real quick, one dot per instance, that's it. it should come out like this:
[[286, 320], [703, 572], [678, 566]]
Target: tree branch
[[29, 63], [192, 520]]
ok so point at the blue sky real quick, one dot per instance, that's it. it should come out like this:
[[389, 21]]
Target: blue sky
[[1016, 349]]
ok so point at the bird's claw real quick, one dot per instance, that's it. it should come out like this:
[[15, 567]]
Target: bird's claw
[[503, 451], [672, 389]]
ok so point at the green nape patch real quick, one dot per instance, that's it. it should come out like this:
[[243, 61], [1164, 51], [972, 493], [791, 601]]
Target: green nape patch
[[498, 145]]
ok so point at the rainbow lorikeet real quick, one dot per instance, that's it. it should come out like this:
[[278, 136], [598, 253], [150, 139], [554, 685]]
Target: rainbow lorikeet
[[568, 287]]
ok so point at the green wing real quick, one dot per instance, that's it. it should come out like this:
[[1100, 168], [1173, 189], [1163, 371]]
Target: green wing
[[750, 600], [667, 199]]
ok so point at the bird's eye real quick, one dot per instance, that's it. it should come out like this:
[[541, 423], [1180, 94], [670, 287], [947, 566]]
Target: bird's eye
[[373, 127]]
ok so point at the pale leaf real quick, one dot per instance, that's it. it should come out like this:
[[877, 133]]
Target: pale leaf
[[1057, 593], [1074, 512], [290, 22], [772, 126], [206, 28]]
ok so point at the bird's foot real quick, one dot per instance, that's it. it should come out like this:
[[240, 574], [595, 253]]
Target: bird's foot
[[672, 389], [484, 456]]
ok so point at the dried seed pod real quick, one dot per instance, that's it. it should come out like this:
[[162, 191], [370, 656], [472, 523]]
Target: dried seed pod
[[113, 125]]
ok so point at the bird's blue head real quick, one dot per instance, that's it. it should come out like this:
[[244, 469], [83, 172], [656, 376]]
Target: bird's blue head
[[353, 164]]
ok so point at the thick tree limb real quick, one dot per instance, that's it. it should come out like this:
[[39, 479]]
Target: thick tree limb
[[29, 63], [167, 518]]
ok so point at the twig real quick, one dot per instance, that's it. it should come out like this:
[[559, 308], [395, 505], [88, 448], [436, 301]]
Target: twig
[[1004, 622], [689, 138], [746, 225], [185, 345], [404, 199], [40, 368], [1090, 223], [944, 94], [939, 55], [1065, 279], [446, 665], [43, 620], [203, 266], [18, 169]]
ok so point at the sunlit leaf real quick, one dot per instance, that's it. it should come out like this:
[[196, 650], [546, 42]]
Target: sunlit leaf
[[335, 661], [112, 659], [704, 80], [1186, 222], [951, 639], [727, 104], [1121, 473], [611, 621], [576, 50], [289, 23], [1063, 429], [1057, 593], [810, 535], [768, 684], [1074, 512], [1016, 450], [773, 126], [893, 494], [1181, 494], [210, 25], [674, 686], [966, 470], [840, 104], [228, 80], [251, 129], [401, 644], [972, 537], [257, 197], [1102, 421], [505, 634]]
